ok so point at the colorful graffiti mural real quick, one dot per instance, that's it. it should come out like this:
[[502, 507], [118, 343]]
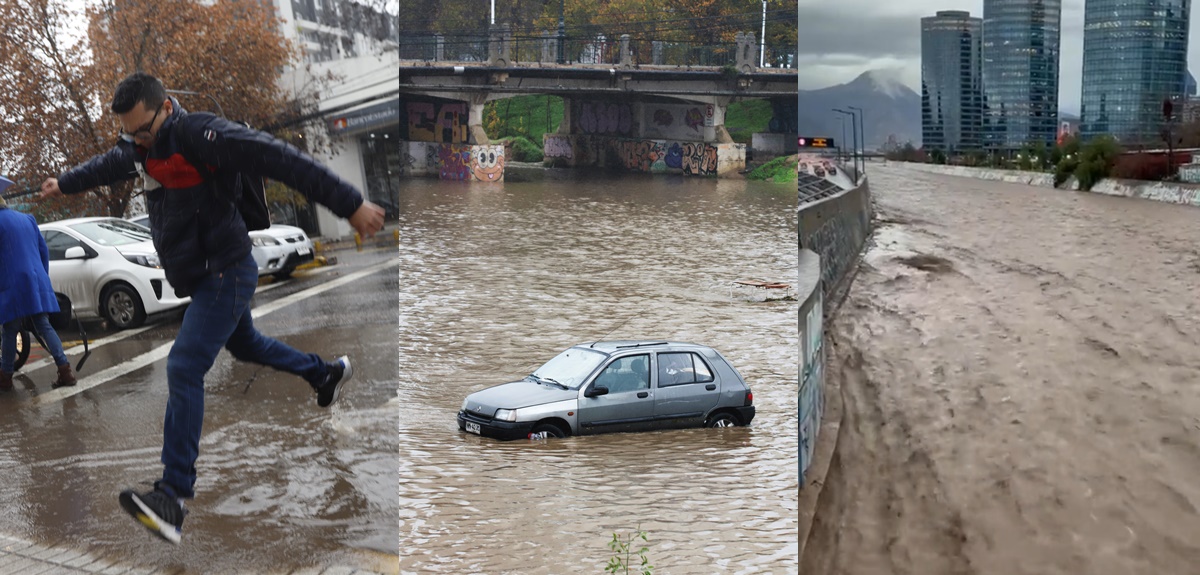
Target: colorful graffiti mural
[[487, 163], [454, 162], [442, 123], [699, 159], [604, 118]]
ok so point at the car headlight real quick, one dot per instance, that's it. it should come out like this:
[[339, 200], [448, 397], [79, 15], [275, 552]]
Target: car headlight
[[464, 405], [147, 260], [506, 414], [263, 241]]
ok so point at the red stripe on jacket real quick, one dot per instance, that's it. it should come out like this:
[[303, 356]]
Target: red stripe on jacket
[[174, 172]]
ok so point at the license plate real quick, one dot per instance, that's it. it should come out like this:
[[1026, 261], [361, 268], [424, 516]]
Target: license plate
[[302, 250], [473, 428]]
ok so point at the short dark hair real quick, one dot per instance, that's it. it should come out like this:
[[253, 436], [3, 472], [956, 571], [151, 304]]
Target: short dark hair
[[138, 87]]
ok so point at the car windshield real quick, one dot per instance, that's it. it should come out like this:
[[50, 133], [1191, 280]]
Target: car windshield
[[112, 232], [571, 367]]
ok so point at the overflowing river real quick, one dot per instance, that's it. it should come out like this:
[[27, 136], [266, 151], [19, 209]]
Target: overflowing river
[[498, 278]]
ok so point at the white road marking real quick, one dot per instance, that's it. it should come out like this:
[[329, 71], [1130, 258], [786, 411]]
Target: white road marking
[[161, 351]]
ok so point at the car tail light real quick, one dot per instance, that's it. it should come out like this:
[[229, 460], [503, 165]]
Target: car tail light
[[749, 398]]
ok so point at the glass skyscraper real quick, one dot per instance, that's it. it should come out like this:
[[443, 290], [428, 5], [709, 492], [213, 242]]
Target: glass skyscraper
[[951, 97], [1134, 57], [1020, 72]]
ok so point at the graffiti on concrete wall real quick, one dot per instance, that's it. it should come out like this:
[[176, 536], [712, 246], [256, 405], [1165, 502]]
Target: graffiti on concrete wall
[[454, 162], [604, 118], [812, 384], [558, 146], [442, 123], [643, 155], [672, 122], [833, 241], [487, 163], [699, 159]]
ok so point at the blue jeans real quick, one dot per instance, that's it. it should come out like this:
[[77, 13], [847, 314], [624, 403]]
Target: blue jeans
[[41, 323], [219, 315]]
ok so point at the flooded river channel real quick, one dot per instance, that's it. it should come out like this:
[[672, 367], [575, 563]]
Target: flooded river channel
[[496, 279]]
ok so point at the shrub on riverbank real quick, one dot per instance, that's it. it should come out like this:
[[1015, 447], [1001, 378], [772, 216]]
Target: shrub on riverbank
[[521, 149], [781, 169]]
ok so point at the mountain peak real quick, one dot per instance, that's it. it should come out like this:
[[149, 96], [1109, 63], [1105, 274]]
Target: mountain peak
[[886, 81]]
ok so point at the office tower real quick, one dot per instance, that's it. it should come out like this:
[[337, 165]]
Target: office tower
[[951, 100], [1020, 72], [1134, 57]]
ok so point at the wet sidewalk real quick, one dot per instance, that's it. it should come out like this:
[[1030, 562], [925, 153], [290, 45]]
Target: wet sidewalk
[[20, 557]]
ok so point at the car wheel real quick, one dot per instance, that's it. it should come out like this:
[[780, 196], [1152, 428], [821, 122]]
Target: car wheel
[[723, 419], [24, 340], [550, 429], [122, 307]]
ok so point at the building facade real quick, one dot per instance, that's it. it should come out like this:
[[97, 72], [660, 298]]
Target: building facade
[[951, 78], [1134, 57], [1020, 72], [361, 107]]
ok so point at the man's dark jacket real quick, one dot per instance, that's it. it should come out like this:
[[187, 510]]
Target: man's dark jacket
[[195, 224]]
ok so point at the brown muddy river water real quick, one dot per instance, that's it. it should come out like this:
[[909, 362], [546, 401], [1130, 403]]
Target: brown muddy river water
[[1019, 367], [496, 279]]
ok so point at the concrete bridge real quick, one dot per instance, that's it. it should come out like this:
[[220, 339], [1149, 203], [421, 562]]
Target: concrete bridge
[[648, 118]]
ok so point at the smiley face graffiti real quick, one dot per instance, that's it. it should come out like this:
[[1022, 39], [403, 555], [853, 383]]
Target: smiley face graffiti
[[487, 163]]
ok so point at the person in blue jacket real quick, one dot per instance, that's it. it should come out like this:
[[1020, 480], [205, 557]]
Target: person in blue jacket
[[25, 291], [204, 247]]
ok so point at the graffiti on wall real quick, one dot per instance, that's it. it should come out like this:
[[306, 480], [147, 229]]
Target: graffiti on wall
[[699, 159], [672, 122], [833, 241], [442, 123], [487, 163], [604, 118], [454, 162], [558, 146], [643, 155], [812, 386], [465, 162]]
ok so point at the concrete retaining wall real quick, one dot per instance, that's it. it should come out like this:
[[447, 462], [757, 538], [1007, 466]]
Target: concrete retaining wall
[[644, 155], [1170, 192], [833, 232], [483, 163]]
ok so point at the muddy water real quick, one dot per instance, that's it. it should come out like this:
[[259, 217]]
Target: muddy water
[[497, 279], [1020, 370]]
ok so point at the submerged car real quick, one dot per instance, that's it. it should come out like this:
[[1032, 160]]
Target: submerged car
[[613, 386], [277, 250], [108, 269]]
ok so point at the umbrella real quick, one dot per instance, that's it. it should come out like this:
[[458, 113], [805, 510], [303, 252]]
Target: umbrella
[[4, 183]]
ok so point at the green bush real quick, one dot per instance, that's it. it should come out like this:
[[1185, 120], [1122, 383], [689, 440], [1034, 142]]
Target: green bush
[[1096, 161], [524, 150], [781, 169]]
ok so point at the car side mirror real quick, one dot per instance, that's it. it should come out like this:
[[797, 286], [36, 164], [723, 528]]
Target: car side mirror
[[75, 253], [596, 391]]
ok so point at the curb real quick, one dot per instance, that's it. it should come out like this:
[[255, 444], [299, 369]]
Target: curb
[[21, 557]]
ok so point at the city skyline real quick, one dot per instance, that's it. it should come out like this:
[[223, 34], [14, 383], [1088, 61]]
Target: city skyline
[[839, 41]]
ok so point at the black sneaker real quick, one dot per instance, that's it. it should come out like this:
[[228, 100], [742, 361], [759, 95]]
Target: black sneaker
[[157, 511], [339, 373]]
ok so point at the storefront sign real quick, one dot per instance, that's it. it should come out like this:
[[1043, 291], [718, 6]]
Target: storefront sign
[[377, 116]]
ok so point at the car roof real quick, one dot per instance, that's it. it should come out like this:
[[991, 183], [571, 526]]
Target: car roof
[[73, 221], [613, 346]]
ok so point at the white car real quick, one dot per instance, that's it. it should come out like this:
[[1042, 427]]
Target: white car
[[109, 269], [277, 250]]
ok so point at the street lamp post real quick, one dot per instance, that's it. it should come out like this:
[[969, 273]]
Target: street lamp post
[[562, 28], [841, 147], [853, 130], [493, 12], [862, 136], [762, 41]]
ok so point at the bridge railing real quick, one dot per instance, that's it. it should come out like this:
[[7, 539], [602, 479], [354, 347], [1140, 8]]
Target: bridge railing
[[543, 48]]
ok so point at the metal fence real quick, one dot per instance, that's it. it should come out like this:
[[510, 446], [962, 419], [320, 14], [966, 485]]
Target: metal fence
[[543, 47]]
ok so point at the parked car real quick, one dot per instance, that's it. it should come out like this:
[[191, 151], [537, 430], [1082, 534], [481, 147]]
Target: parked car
[[277, 250], [108, 269], [610, 386]]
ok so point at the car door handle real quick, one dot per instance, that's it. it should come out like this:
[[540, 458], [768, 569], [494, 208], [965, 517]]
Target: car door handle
[[710, 386], [643, 394]]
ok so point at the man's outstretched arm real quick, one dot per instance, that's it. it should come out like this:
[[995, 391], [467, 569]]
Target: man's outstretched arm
[[110, 167]]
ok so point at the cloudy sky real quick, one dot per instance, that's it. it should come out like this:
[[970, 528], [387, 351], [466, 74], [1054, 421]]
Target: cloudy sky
[[841, 39]]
